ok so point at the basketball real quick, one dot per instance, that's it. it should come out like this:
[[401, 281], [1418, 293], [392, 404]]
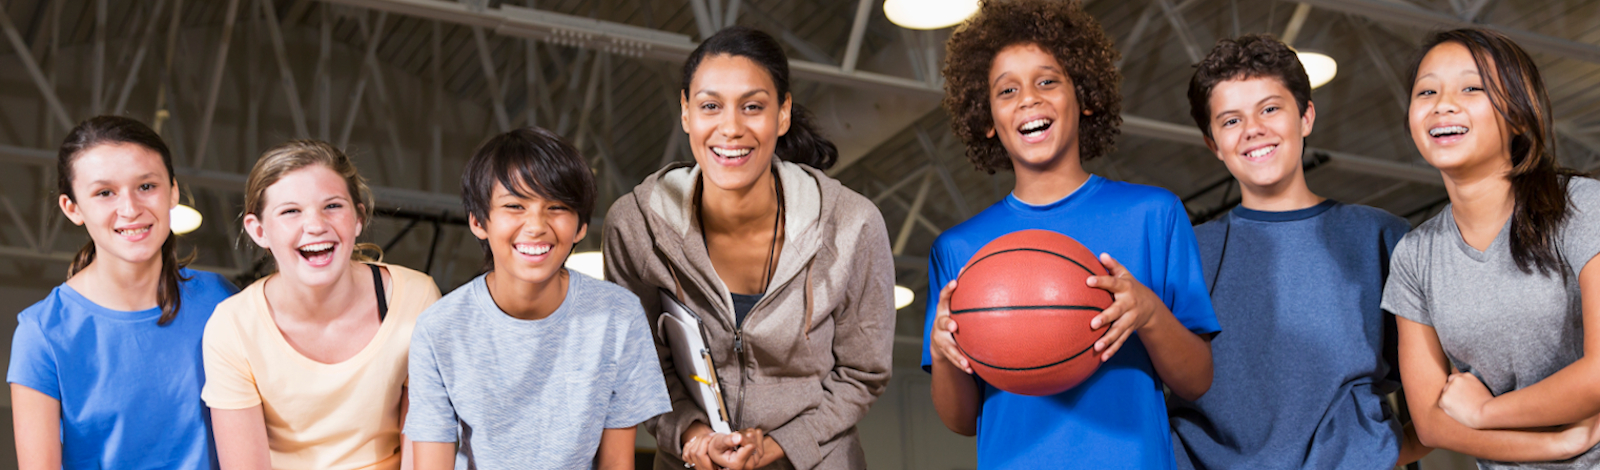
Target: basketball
[[1023, 312]]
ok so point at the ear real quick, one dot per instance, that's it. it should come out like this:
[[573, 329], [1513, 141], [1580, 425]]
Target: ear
[[783, 114], [1308, 119], [175, 199], [361, 211], [70, 209], [477, 227], [1088, 112], [1212, 144], [990, 134], [257, 233], [583, 230], [683, 110]]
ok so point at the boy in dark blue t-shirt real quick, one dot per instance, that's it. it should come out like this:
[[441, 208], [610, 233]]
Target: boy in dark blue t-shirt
[[1032, 88], [1300, 377]]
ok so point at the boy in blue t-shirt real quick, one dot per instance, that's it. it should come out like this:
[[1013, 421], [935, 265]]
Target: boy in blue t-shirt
[[531, 365], [1032, 88], [1301, 375]]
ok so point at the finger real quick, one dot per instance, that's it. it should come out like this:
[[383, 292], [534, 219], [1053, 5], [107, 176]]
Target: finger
[[1112, 351], [1114, 335], [944, 298], [1106, 317], [1115, 285], [1112, 265]]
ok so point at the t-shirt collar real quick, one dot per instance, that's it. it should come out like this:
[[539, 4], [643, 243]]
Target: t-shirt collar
[[1071, 198], [486, 301], [72, 295], [1284, 216]]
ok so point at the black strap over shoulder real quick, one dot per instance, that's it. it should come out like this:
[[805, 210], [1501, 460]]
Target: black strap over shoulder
[[377, 283]]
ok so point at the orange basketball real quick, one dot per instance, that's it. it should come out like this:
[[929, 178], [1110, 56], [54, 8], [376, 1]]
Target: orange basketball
[[1022, 312]]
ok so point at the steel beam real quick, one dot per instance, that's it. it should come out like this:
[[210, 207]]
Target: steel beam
[[275, 34], [1410, 15], [216, 81], [39, 80], [496, 97], [858, 30]]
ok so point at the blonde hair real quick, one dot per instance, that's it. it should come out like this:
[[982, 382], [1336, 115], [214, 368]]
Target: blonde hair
[[288, 157]]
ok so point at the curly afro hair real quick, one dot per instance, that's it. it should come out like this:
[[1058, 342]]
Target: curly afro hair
[[1249, 56], [1060, 27]]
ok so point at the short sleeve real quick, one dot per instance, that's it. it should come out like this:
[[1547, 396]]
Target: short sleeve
[[1403, 294], [640, 391], [940, 272], [431, 418], [1580, 236], [33, 359], [1185, 293], [230, 384]]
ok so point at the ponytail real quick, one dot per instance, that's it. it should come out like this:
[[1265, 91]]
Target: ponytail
[[803, 144]]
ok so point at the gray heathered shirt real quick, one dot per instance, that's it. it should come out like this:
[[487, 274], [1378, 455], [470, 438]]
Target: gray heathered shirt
[[1509, 328], [532, 393]]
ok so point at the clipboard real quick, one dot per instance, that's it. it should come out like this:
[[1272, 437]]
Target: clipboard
[[684, 333]]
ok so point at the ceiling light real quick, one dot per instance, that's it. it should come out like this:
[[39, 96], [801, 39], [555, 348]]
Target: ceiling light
[[1319, 67], [590, 263], [185, 219], [903, 297], [928, 14]]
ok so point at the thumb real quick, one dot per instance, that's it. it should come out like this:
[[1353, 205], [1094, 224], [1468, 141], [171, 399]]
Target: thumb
[[736, 439], [1112, 265]]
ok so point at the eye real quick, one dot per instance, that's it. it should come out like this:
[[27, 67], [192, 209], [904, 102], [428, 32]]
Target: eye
[[754, 107], [147, 186], [559, 207], [333, 205], [1006, 91], [1426, 93], [102, 193], [1269, 110], [708, 106], [289, 211], [513, 206], [1472, 88], [1230, 122], [1048, 82]]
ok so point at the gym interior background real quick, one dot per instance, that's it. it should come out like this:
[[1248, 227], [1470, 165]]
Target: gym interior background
[[410, 87]]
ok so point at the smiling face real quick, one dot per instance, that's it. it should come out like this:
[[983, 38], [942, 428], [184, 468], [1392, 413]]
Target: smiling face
[[124, 197], [1034, 106], [309, 223], [733, 117], [1452, 121], [529, 236], [1258, 132]]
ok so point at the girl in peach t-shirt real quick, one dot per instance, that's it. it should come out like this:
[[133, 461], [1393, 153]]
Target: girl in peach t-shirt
[[306, 368]]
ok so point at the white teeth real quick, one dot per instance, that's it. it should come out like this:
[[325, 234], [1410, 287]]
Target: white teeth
[[1438, 131], [316, 247], [1034, 125], [1261, 152], [731, 153], [132, 232], [533, 250]]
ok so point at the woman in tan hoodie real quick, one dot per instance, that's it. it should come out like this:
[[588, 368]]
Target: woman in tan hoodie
[[790, 271]]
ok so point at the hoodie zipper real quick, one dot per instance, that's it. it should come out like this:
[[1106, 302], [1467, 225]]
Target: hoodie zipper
[[738, 351]]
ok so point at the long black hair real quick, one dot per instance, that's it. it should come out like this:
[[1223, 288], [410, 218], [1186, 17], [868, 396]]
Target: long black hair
[[1538, 181], [113, 130], [802, 144]]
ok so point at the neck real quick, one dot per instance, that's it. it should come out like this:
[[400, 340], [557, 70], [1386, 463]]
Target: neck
[[526, 300], [1287, 195], [733, 211], [1049, 183], [315, 303], [118, 284], [1480, 199]]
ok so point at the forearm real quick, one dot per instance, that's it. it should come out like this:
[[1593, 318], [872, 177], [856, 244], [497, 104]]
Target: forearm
[[1568, 396], [1435, 429], [1181, 358], [1411, 448], [433, 455], [956, 398], [616, 449], [36, 419]]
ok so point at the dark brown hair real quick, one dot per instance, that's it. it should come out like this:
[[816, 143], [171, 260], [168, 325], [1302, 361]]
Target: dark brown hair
[[532, 159], [1538, 181], [1061, 28], [802, 143], [1244, 58], [114, 130]]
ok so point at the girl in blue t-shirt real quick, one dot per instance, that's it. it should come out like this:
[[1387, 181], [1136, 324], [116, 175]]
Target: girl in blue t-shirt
[[105, 371]]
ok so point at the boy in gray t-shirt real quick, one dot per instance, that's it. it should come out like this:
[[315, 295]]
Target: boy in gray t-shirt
[[1510, 329], [531, 365]]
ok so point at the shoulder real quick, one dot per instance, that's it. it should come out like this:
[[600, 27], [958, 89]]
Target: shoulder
[[207, 287], [624, 210], [602, 295], [1584, 192], [407, 278], [1213, 228], [450, 308], [1379, 218], [1136, 195], [48, 311], [1418, 239]]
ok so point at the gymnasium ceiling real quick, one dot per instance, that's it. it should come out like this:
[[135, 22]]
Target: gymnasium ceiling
[[445, 75]]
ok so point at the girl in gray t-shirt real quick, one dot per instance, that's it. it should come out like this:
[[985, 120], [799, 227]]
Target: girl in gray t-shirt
[[1489, 291]]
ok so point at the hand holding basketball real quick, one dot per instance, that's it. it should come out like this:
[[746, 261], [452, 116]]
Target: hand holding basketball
[[942, 342], [1463, 397], [1133, 307]]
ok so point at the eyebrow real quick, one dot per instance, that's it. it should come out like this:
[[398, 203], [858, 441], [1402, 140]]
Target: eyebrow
[[745, 95], [140, 177], [1003, 74]]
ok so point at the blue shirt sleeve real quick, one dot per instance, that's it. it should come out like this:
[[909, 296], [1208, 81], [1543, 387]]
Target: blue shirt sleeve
[[33, 360], [431, 417], [640, 392], [937, 278], [1186, 293]]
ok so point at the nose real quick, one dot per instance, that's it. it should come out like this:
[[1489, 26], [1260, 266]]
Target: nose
[[731, 125], [1446, 103], [317, 223], [1254, 127], [1030, 96], [128, 207]]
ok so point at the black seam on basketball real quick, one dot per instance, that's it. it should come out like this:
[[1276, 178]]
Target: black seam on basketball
[[1051, 253], [1018, 369], [1027, 307]]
